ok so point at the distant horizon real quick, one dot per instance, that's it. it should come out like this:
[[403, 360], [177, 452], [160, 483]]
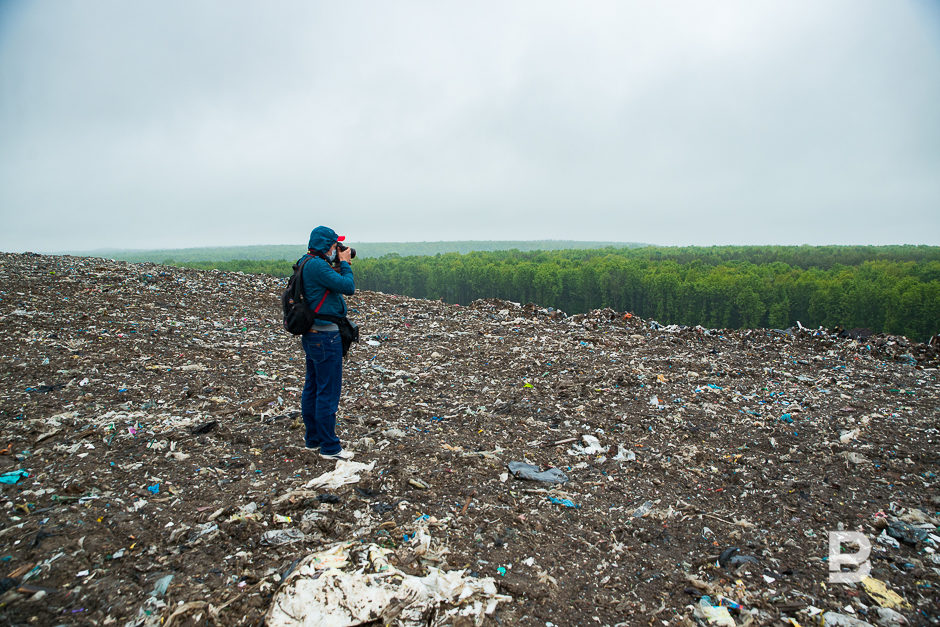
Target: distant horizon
[[593, 243], [365, 249], [416, 241], [111, 251]]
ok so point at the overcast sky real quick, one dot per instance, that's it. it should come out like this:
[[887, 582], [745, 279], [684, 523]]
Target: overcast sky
[[188, 123]]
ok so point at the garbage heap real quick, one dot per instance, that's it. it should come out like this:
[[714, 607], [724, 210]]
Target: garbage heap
[[513, 465]]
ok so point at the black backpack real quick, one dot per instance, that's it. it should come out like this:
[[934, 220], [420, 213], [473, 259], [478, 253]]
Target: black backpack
[[298, 317]]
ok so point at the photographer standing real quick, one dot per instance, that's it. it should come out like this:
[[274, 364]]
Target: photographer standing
[[327, 275]]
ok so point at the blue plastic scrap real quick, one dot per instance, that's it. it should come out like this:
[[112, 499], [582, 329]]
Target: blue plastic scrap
[[13, 476], [565, 502]]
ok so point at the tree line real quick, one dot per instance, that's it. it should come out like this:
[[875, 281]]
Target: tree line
[[893, 289], [280, 252]]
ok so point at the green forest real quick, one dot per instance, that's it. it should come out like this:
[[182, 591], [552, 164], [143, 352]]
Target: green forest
[[892, 289]]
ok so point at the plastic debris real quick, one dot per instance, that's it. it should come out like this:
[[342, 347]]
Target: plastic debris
[[714, 614], [624, 454], [731, 557], [161, 586], [882, 595], [345, 472], [592, 446], [205, 427], [351, 583], [521, 470], [565, 502], [886, 617], [906, 533], [887, 540], [277, 537], [835, 619], [13, 476]]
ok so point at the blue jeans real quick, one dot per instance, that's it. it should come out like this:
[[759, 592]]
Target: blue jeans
[[320, 398]]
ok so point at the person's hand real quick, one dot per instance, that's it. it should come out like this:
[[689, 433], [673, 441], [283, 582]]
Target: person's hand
[[344, 255]]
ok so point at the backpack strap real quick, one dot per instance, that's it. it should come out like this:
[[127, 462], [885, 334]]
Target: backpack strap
[[300, 277], [333, 319]]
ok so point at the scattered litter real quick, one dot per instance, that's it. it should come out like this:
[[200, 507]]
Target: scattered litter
[[205, 427], [352, 583], [345, 472], [730, 557], [173, 398], [161, 586], [885, 539], [906, 533], [277, 537], [521, 470], [835, 619], [13, 476], [592, 446], [882, 595], [624, 454], [714, 614]]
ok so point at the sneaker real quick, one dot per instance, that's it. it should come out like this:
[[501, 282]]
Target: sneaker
[[341, 454]]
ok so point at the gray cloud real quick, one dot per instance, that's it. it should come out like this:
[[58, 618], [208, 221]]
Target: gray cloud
[[208, 123]]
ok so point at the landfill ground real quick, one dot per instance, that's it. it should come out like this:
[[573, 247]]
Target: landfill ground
[[154, 414]]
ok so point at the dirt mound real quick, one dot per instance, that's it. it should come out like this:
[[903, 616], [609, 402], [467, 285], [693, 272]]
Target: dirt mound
[[154, 470]]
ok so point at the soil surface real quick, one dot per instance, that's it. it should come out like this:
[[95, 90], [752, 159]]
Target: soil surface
[[154, 414]]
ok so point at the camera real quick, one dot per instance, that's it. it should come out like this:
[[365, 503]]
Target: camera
[[352, 251]]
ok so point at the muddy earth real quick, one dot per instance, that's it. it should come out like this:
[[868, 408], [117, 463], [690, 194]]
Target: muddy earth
[[154, 472]]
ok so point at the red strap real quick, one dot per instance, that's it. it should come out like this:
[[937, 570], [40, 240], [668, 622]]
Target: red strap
[[320, 304]]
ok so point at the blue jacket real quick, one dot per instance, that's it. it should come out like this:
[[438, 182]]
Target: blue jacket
[[319, 276]]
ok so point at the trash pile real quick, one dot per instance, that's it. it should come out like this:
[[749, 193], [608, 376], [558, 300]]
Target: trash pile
[[320, 592], [513, 465]]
